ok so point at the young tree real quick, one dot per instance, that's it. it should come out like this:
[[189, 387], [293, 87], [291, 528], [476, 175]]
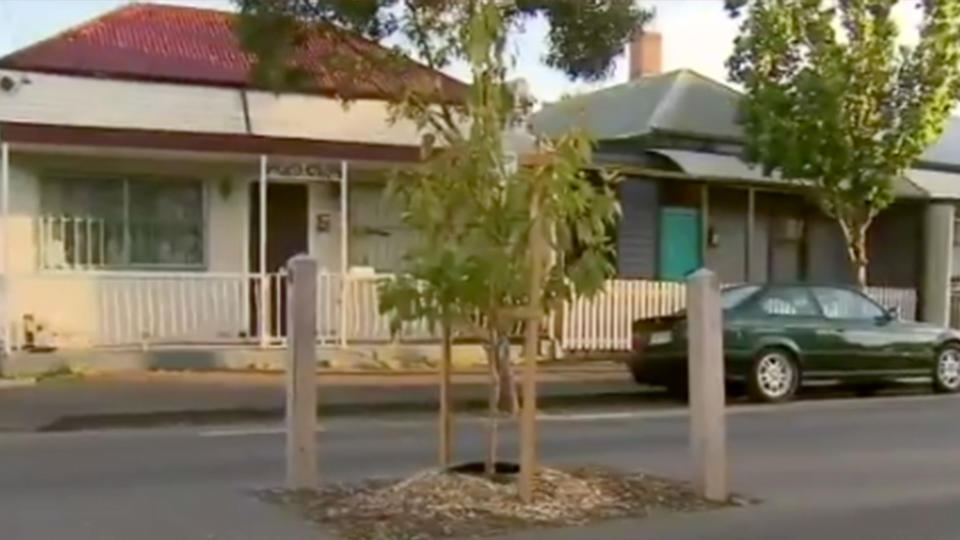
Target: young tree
[[480, 218], [833, 101], [471, 206]]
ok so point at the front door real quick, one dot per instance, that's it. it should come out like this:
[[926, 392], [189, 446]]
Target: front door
[[680, 250], [286, 236]]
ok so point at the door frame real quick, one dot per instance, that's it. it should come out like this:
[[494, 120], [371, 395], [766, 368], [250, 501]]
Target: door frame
[[249, 212]]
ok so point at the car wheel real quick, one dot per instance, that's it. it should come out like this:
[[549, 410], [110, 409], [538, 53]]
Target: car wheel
[[774, 377], [946, 375]]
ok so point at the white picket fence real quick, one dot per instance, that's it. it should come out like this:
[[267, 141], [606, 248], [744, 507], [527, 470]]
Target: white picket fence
[[903, 299], [603, 322], [98, 308]]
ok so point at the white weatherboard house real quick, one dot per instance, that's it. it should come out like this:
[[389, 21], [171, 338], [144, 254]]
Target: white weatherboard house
[[151, 193]]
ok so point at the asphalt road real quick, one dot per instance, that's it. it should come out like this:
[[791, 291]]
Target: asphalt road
[[884, 468]]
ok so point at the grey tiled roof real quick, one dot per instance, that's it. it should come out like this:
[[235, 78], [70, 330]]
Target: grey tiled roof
[[681, 102]]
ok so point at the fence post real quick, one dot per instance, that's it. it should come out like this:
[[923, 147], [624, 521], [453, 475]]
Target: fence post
[[302, 373], [706, 385]]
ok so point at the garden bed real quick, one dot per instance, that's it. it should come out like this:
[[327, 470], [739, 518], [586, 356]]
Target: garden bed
[[442, 504]]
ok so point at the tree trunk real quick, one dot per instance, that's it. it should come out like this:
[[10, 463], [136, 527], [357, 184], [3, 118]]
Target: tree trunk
[[503, 395], [445, 449], [857, 249]]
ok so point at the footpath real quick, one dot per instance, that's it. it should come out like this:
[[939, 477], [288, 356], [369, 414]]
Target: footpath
[[137, 399]]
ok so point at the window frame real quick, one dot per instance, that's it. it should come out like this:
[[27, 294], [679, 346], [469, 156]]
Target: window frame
[[125, 179]]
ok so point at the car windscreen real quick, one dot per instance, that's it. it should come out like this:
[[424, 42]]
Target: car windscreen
[[734, 296]]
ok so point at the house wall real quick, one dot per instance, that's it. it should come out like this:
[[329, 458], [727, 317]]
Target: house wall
[[895, 246], [227, 232], [20, 252], [637, 231], [826, 251], [728, 222], [325, 245], [74, 307], [224, 193], [760, 259], [817, 255], [378, 237]]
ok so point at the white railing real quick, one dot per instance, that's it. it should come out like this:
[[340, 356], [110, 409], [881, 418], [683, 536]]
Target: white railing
[[129, 308], [69, 242], [76, 309], [363, 318]]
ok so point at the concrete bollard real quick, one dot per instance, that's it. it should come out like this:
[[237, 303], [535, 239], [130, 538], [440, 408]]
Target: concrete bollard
[[708, 434], [301, 410]]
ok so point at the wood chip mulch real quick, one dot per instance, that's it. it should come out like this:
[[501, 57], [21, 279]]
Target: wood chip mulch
[[441, 504]]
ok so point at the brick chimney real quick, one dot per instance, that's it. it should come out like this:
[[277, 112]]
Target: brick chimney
[[646, 54]]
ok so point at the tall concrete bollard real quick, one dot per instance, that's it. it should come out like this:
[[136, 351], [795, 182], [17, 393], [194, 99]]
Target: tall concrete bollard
[[302, 373], [708, 433]]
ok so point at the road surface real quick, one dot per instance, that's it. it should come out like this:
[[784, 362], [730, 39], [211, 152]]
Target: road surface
[[885, 468]]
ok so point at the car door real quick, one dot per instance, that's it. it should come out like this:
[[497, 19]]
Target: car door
[[866, 339], [788, 314]]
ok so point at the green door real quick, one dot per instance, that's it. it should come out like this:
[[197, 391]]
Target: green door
[[679, 242]]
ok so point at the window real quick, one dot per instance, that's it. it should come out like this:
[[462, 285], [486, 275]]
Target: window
[[846, 304], [788, 301], [734, 296], [121, 223]]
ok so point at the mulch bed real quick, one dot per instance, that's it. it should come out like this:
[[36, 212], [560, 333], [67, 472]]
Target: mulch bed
[[443, 504]]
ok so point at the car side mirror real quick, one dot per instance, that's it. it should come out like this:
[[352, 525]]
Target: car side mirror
[[891, 314]]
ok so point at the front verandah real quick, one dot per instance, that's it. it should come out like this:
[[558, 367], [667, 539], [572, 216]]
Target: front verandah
[[752, 228], [121, 247]]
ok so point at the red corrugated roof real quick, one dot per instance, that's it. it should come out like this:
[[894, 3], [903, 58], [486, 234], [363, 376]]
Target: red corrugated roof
[[196, 46]]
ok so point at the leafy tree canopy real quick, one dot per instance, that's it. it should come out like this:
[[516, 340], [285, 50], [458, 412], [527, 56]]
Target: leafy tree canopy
[[833, 98], [584, 38]]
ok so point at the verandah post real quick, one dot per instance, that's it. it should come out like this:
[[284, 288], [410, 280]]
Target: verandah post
[[344, 253], [4, 242], [263, 307]]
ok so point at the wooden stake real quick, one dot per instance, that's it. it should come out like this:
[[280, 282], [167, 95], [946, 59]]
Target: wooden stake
[[446, 407], [528, 413]]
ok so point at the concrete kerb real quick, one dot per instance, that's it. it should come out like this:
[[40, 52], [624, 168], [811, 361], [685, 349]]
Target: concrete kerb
[[150, 397], [337, 410], [373, 358]]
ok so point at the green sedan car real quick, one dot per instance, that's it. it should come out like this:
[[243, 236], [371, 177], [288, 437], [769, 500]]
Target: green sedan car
[[777, 336]]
